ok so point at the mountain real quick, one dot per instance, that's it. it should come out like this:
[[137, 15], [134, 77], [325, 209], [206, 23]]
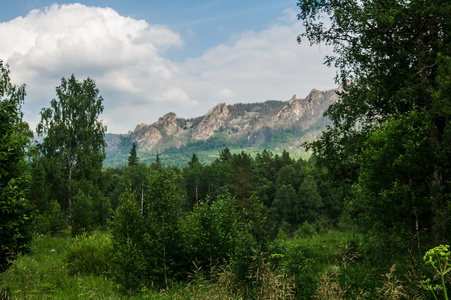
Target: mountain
[[272, 124]]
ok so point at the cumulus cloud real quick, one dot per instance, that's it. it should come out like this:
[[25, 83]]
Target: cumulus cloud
[[121, 54], [126, 58], [264, 65]]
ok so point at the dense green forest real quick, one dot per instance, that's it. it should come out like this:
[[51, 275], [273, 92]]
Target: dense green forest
[[367, 216], [207, 150]]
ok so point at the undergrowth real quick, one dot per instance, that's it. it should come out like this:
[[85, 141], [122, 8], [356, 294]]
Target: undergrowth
[[322, 266]]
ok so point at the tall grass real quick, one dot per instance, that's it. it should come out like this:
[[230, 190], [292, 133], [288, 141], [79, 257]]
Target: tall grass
[[44, 274], [321, 266]]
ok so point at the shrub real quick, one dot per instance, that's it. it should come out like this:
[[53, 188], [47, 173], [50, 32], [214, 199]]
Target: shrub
[[82, 213], [210, 231], [306, 230], [90, 254], [52, 221]]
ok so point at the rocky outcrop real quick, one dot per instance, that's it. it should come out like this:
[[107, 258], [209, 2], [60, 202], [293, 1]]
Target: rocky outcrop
[[213, 121], [168, 124], [147, 137], [114, 143], [254, 122], [307, 110]]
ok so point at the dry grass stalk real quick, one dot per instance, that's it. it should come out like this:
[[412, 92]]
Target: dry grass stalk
[[347, 255], [329, 286], [268, 283], [392, 288]]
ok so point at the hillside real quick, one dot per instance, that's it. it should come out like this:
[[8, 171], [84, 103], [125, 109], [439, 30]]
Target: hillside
[[273, 125]]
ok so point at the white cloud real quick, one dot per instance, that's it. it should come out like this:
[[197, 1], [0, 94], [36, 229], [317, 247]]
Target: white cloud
[[126, 59], [264, 65], [176, 95], [121, 54], [225, 94]]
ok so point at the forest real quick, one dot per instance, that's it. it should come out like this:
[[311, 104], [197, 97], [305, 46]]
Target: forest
[[366, 216]]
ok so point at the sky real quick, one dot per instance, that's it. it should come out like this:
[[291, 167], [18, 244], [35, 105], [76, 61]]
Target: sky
[[152, 57]]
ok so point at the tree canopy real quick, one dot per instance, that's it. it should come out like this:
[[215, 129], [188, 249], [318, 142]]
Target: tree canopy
[[14, 136], [393, 116], [73, 133], [133, 159]]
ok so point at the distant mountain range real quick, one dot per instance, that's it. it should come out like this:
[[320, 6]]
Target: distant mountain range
[[273, 125]]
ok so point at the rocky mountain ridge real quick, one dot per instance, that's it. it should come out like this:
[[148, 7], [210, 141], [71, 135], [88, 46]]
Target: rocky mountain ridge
[[253, 124]]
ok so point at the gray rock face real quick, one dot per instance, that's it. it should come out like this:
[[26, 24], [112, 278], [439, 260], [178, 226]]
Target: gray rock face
[[254, 122], [168, 124], [213, 121], [307, 111]]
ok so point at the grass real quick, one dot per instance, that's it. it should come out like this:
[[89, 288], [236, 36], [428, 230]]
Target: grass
[[321, 266], [43, 274]]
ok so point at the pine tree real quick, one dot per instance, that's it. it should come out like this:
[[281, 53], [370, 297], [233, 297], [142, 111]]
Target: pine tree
[[133, 158], [157, 164], [194, 160]]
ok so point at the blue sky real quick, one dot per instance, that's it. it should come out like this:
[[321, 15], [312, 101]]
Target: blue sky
[[149, 58]]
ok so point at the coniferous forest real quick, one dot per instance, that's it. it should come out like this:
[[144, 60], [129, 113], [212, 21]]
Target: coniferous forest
[[366, 216]]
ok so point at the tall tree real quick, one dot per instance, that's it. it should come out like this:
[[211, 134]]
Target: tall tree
[[387, 54], [194, 160], [195, 181], [225, 154], [14, 136], [243, 177], [286, 205], [133, 157], [309, 200], [267, 175], [392, 57], [156, 165], [73, 133]]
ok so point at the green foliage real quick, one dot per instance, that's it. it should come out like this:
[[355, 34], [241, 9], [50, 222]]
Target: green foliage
[[44, 274], [162, 212], [286, 205], [309, 200], [74, 136], [390, 133], [14, 135], [82, 214], [128, 234], [148, 242], [305, 258], [305, 230], [211, 231], [52, 221], [133, 177], [393, 181], [90, 254], [439, 259], [243, 176], [133, 157]]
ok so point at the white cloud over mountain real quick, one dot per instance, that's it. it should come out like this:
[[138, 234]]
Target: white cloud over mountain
[[127, 59]]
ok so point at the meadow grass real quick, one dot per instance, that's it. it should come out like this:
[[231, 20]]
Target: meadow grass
[[320, 266], [44, 273]]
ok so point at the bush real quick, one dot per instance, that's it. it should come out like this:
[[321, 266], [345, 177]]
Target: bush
[[82, 214], [52, 221], [90, 254], [306, 230], [210, 231], [128, 235]]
